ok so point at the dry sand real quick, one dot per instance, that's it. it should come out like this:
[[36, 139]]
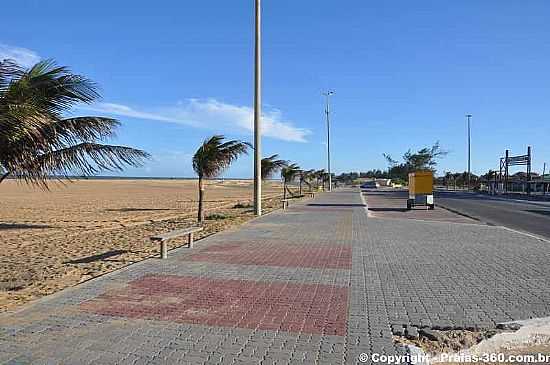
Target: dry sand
[[52, 240]]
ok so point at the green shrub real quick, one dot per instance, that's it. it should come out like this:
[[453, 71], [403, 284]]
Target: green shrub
[[242, 205], [216, 217]]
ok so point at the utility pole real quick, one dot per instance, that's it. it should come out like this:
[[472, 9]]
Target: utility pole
[[543, 179], [469, 116], [528, 170], [327, 111], [258, 110], [506, 170]]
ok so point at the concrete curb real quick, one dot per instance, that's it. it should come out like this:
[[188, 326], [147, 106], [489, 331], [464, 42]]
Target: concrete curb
[[461, 213]]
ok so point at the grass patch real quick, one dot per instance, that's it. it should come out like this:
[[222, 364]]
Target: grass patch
[[216, 217], [243, 206]]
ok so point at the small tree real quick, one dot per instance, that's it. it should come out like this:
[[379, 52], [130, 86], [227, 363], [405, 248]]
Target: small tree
[[448, 177], [424, 159], [288, 174], [212, 157]]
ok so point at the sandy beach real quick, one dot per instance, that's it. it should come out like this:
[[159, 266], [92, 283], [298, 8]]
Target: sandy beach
[[50, 240]]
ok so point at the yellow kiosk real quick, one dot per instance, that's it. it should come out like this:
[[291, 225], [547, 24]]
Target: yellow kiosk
[[421, 189]]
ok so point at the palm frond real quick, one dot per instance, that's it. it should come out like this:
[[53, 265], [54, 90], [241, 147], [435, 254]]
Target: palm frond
[[307, 176], [270, 165], [71, 130], [55, 88], [37, 141], [83, 159], [9, 70], [34, 97], [215, 155], [290, 172]]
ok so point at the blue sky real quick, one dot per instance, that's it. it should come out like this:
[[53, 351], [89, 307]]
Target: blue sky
[[405, 74]]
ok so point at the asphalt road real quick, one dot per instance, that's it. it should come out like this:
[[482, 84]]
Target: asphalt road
[[526, 216]]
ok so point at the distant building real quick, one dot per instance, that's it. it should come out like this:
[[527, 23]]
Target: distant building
[[522, 176]]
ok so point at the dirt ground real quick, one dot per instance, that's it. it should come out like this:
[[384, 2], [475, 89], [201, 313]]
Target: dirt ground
[[56, 239], [454, 342]]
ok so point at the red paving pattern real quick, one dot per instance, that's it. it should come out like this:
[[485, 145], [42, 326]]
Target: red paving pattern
[[308, 308], [322, 257]]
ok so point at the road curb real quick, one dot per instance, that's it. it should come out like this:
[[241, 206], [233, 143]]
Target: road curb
[[366, 207], [462, 214], [540, 238]]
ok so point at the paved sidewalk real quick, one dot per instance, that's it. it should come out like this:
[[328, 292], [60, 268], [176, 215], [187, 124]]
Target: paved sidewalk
[[318, 283]]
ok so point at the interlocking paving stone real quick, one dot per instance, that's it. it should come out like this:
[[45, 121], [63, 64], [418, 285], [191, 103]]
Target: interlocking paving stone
[[335, 256], [458, 276], [385, 272], [302, 308]]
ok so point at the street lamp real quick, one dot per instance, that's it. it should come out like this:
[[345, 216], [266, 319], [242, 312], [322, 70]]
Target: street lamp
[[543, 179], [469, 117], [258, 110], [327, 111]]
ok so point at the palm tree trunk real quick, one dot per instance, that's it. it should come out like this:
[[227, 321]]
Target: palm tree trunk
[[201, 201], [284, 190], [301, 186], [290, 192], [3, 177]]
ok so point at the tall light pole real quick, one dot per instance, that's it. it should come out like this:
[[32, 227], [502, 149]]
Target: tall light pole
[[327, 111], [469, 117], [543, 179], [258, 110]]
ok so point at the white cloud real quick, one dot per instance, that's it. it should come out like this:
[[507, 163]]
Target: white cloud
[[215, 115], [23, 56]]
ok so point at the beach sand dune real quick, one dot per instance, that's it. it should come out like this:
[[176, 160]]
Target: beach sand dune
[[50, 240]]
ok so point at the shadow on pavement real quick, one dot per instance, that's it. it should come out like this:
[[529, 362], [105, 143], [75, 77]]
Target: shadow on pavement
[[388, 209]]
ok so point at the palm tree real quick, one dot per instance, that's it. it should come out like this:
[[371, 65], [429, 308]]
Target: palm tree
[[270, 165], [37, 141], [212, 157], [288, 174], [306, 177], [320, 177], [300, 181], [448, 176]]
